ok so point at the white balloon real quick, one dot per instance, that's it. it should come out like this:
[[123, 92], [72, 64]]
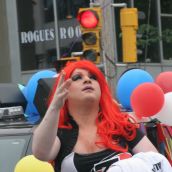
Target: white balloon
[[165, 114]]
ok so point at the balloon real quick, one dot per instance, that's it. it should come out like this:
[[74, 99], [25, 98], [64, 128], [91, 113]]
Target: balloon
[[164, 80], [31, 164], [165, 114], [24, 91], [147, 99], [31, 113], [128, 82], [21, 87], [33, 82], [29, 91]]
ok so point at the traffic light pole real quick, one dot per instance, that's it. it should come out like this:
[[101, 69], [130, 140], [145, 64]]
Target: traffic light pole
[[129, 26]]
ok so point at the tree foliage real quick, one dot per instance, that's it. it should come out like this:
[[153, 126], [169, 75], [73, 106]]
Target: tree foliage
[[149, 34]]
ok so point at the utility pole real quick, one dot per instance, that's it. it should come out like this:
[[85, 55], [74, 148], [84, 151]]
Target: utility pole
[[128, 22], [109, 41]]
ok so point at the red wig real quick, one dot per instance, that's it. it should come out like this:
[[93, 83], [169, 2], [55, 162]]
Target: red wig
[[111, 123]]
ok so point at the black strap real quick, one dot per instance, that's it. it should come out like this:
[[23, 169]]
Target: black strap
[[68, 138]]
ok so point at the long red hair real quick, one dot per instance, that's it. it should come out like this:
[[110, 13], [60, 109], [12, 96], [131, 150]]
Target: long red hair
[[111, 123]]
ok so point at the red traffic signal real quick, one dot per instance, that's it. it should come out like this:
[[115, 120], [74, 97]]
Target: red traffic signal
[[88, 19]]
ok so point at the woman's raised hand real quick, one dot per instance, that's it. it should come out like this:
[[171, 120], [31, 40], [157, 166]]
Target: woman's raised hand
[[61, 92]]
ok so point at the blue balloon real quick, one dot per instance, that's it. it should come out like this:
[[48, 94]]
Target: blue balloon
[[33, 83], [31, 113], [24, 91], [29, 91], [21, 87], [128, 82]]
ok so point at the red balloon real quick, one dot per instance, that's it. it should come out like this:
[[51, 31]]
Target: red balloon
[[164, 80], [147, 99]]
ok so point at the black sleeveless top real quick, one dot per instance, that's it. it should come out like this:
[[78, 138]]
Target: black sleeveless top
[[69, 161]]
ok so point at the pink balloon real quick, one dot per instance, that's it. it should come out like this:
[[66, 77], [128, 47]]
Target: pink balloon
[[147, 99], [164, 80]]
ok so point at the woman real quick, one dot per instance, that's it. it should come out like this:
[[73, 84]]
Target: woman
[[83, 129]]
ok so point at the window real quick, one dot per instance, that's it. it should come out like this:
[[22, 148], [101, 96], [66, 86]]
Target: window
[[166, 21], [37, 33], [148, 30], [11, 149], [148, 38]]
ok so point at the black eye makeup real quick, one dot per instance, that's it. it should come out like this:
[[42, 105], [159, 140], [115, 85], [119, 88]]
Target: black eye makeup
[[93, 77], [76, 77]]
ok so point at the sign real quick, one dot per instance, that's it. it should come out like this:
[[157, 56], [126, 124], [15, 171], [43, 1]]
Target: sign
[[69, 32]]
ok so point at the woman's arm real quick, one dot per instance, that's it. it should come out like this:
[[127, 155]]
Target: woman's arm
[[46, 144], [144, 145]]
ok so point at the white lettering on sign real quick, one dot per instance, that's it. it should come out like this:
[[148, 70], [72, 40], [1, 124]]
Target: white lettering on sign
[[65, 33], [37, 36], [78, 31], [69, 32]]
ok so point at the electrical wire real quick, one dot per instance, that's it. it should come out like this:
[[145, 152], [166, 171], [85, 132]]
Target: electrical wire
[[147, 29], [71, 47]]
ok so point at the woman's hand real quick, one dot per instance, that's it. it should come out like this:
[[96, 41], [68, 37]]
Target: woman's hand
[[61, 92], [46, 144]]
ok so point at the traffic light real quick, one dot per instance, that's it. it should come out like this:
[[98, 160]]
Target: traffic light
[[129, 26], [90, 20]]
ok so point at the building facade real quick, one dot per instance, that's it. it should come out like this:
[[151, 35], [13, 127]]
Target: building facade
[[33, 34]]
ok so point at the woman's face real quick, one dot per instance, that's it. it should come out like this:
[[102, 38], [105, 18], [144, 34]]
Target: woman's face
[[84, 87]]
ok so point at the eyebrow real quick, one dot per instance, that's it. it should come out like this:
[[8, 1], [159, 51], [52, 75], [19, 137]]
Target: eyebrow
[[79, 72], [76, 73]]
